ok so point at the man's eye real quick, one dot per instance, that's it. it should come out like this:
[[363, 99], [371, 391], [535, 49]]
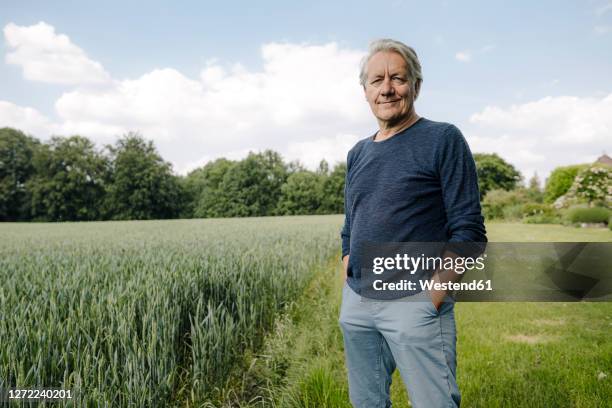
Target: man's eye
[[376, 81], [399, 79]]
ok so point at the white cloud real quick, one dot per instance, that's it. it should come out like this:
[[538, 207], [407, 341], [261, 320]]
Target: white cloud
[[26, 119], [48, 57], [463, 56], [543, 134], [303, 98], [310, 153], [469, 55], [303, 93]]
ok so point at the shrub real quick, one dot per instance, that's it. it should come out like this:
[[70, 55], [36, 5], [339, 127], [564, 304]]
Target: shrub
[[585, 214], [532, 209], [512, 212], [499, 204], [560, 181], [536, 213], [593, 185]]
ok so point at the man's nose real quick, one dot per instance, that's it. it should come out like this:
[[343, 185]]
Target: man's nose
[[386, 88]]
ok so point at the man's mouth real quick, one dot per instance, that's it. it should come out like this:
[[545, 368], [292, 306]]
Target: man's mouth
[[382, 103]]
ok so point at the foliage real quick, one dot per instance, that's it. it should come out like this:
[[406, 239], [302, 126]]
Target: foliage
[[495, 173], [587, 215], [320, 192], [69, 181], [517, 205], [534, 192], [252, 187], [301, 194], [497, 200], [593, 185], [560, 180], [332, 201], [204, 185], [142, 184], [538, 213], [16, 168]]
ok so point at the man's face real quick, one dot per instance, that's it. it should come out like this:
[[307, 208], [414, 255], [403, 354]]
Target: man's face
[[388, 88]]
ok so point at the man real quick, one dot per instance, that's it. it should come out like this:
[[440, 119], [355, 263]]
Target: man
[[414, 180]]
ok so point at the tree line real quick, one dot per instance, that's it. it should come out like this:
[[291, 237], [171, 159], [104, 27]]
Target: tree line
[[69, 179]]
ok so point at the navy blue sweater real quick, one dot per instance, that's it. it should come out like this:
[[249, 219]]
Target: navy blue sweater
[[419, 185]]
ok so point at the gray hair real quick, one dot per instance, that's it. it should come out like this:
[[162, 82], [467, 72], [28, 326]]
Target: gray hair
[[406, 52]]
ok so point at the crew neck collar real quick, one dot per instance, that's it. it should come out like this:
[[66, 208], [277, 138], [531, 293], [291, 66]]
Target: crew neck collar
[[371, 138]]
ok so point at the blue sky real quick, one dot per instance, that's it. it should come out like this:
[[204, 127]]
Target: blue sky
[[529, 80]]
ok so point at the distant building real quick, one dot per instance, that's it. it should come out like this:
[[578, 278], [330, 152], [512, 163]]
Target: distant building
[[604, 159]]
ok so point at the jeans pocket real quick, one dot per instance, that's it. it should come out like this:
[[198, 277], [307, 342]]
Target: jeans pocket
[[430, 306]]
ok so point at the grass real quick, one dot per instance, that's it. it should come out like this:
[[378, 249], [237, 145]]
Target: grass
[[148, 313], [243, 313], [509, 354]]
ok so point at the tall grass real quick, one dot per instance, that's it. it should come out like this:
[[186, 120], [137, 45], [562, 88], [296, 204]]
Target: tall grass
[[147, 313]]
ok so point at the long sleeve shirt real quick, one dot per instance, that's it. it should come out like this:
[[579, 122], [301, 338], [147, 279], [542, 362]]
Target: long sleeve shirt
[[419, 185]]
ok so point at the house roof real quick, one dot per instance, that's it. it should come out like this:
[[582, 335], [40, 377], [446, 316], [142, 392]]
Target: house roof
[[604, 159]]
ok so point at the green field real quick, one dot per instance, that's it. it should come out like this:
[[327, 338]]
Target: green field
[[152, 313], [243, 312]]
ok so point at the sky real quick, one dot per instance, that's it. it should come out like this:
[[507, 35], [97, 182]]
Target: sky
[[530, 81]]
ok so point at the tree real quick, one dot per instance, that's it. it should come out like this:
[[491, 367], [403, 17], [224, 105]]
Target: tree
[[534, 192], [294, 166], [142, 184], [301, 194], [560, 180], [332, 200], [252, 187], [16, 168], [323, 169], [495, 173], [70, 180], [203, 186]]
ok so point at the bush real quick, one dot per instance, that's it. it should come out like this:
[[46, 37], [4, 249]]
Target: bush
[[536, 213], [516, 205], [593, 185], [589, 215], [512, 212], [560, 181], [502, 204], [610, 223]]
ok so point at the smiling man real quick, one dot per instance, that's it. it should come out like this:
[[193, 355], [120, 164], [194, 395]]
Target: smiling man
[[414, 180]]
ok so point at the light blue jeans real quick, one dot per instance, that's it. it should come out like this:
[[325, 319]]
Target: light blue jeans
[[410, 335]]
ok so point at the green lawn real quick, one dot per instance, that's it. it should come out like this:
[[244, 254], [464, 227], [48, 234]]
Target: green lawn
[[509, 354]]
